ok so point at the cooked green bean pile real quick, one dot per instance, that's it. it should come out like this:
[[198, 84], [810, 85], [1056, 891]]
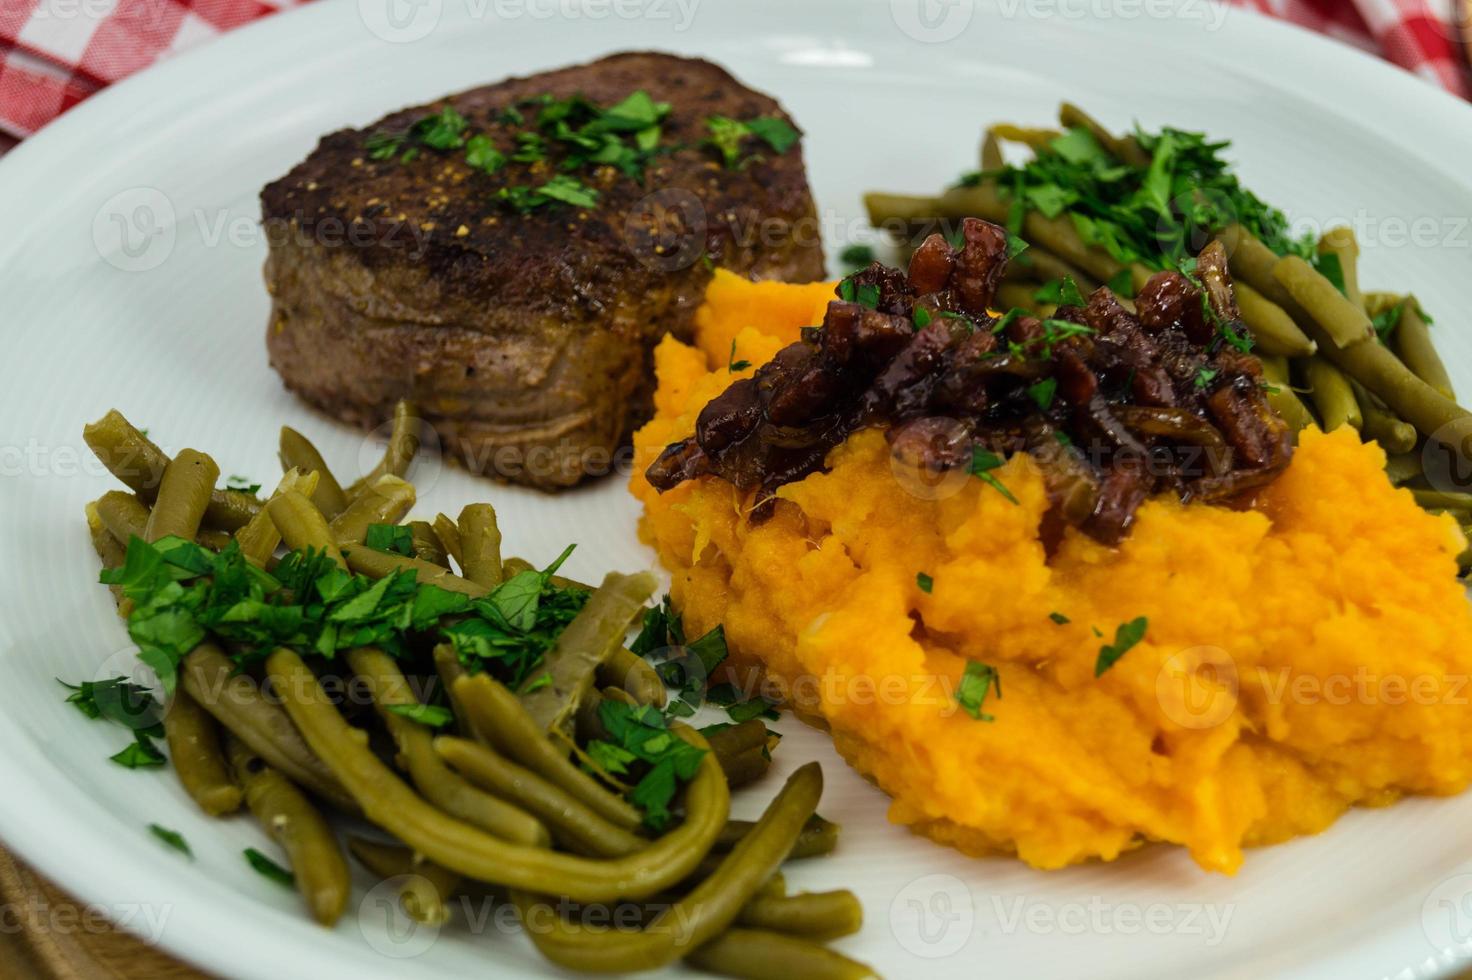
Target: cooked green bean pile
[[505, 738], [1098, 209]]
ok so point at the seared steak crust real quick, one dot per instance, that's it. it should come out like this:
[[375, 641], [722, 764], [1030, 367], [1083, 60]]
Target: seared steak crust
[[524, 338]]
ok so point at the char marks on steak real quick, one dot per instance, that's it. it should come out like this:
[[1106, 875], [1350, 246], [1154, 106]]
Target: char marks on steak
[[1113, 405], [524, 338]]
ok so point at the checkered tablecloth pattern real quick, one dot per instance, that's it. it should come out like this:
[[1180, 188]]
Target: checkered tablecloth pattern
[[55, 53]]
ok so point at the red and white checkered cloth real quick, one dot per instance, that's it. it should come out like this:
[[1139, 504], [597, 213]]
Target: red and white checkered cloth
[[55, 53]]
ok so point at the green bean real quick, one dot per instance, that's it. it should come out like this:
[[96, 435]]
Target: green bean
[[379, 564], [735, 739], [1038, 266], [109, 552], [1403, 467], [403, 443], [312, 848], [1020, 295], [390, 804], [590, 639], [183, 495], [124, 515], [1332, 395], [131, 457], [302, 525], [1412, 338], [818, 837], [817, 915], [297, 452], [1442, 499], [427, 546], [746, 767], [1341, 321], [480, 545], [701, 915], [1127, 150], [991, 152], [1272, 328], [386, 501], [435, 781], [194, 750], [500, 719], [755, 954], [426, 888], [259, 538], [239, 706], [449, 536], [450, 669], [572, 821], [1340, 242], [630, 672], [1034, 137], [1381, 424], [1281, 397]]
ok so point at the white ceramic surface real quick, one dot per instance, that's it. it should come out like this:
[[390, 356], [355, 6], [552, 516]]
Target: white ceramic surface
[[130, 277]]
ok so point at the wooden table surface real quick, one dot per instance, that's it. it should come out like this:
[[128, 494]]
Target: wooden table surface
[[96, 951]]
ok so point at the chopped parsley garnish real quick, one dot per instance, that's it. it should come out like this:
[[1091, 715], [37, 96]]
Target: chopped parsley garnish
[[396, 539], [741, 709], [924, 582], [431, 715], [977, 681], [1204, 377], [242, 484], [1060, 292], [1331, 269], [640, 742], [143, 753], [182, 591], [661, 628], [1154, 214], [134, 707], [172, 838], [728, 136], [983, 461], [1042, 392], [734, 365], [1059, 618], [920, 317], [568, 190], [267, 868], [1122, 283], [1126, 635], [855, 257], [1387, 320], [482, 154]]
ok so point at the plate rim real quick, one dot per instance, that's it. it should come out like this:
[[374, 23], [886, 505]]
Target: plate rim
[[199, 932]]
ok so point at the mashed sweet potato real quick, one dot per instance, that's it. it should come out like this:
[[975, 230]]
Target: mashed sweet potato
[[1301, 657]]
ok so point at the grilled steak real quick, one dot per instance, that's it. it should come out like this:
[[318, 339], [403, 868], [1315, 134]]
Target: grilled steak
[[403, 265]]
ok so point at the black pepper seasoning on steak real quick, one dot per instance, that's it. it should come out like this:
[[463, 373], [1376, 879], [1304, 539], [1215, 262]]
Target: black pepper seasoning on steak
[[1115, 406]]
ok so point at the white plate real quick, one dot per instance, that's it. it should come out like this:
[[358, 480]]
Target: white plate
[[166, 322]]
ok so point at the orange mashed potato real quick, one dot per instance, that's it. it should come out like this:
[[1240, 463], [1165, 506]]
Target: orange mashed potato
[[1301, 657]]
